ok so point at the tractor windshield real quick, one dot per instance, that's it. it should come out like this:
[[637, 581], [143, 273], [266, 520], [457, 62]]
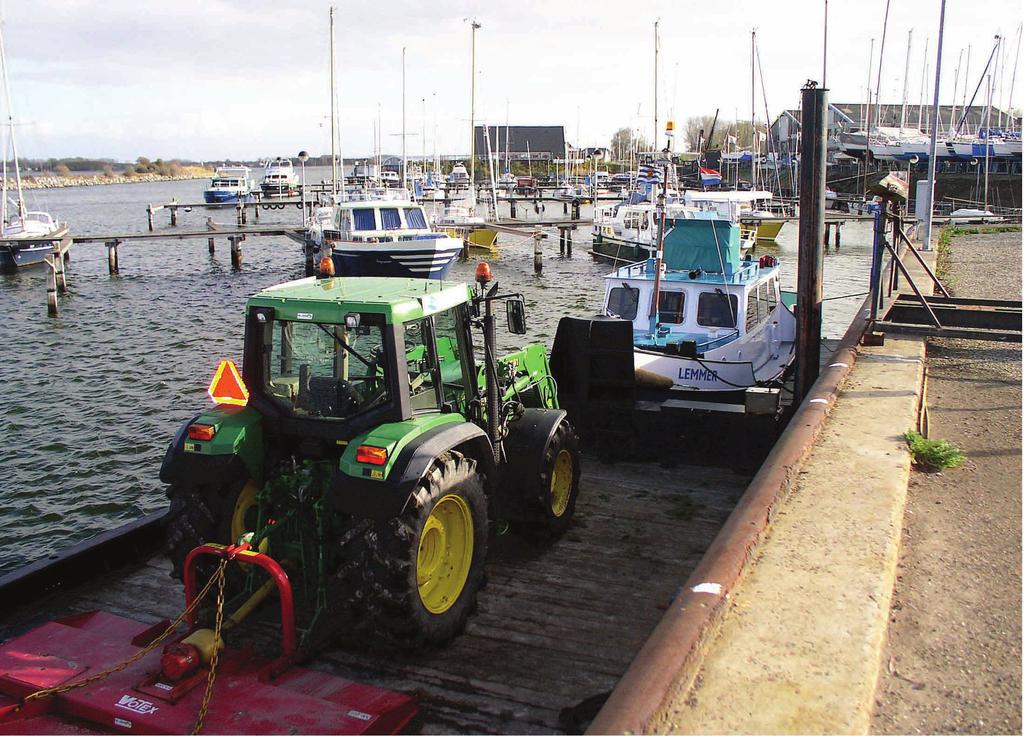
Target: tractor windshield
[[327, 370]]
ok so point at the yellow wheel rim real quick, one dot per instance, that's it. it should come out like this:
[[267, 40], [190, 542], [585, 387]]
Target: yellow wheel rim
[[243, 518], [561, 483], [445, 554]]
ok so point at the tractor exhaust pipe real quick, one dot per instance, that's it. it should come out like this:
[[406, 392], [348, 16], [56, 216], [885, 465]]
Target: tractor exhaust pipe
[[493, 404]]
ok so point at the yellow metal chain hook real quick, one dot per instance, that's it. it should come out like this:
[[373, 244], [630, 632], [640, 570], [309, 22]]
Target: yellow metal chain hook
[[215, 656]]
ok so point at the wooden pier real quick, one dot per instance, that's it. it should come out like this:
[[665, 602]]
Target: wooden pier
[[57, 277], [555, 627]]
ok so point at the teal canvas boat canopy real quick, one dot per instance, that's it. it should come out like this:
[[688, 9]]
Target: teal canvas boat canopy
[[705, 245]]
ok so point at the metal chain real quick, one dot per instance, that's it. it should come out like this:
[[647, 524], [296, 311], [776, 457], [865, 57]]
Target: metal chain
[[218, 576], [215, 656]]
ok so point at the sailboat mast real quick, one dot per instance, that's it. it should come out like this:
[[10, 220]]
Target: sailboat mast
[[655, 138], [10, 125], [334, 116], [405, 164], [906, 78], [472, 111], [1013, 78], [933, 142], [423, 141], [956, 87], [924, 86], [753, 125], [988, 139]]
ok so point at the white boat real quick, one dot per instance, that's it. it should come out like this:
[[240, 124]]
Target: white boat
[[974, 215], [628, 231], [719, 324], [230, 184], [459, 177], [377, 236], [28, 236], [458, 216], [279, 179]]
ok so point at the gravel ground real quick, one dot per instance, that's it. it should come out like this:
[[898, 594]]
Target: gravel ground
[[954, 650]]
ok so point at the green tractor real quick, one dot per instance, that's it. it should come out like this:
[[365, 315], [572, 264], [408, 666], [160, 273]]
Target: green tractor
[[369, 447]]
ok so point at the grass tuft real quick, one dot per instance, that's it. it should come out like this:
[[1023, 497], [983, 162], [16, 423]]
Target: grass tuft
[[933, 455]]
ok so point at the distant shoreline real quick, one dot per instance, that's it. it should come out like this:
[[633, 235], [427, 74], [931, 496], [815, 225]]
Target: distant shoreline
[[60, 182]]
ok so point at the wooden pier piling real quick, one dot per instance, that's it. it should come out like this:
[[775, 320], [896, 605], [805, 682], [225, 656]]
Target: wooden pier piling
[[812, 235], [174, 215], [538, 255], [51, 286], [236, 251], [565, 240], [210, 244], [112, 265]]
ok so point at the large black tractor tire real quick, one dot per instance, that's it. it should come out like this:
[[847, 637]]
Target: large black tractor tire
[[207, 513], [550, 502], [417, 575]]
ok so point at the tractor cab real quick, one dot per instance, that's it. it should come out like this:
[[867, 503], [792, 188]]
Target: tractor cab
[[347, 353]]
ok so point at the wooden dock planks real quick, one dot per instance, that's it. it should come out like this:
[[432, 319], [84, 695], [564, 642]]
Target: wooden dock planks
[[554, 626]]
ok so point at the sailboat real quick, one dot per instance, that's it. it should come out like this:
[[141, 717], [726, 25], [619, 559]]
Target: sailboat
[[27, 236], [376, 232]]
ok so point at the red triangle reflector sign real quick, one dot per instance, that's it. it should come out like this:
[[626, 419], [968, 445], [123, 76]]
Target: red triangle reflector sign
[[227, 386]]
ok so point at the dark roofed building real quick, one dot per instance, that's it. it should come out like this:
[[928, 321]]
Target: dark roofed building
[[541, 142]]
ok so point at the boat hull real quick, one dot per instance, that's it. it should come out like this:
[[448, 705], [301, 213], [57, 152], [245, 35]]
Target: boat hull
[[426, 258], [618, 250], [219, 197], [17, 253], [279, 190]]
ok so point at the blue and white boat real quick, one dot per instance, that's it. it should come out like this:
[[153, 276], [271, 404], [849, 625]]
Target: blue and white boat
[[382, 233], [27, 237], [718, 323], [229, 185]]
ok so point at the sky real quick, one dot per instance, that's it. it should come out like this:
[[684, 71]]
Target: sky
[[218, 79]]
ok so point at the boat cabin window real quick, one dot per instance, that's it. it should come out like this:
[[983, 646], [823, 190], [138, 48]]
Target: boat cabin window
[[389, 219], [671, 307], [623, 302], [414, 218], [716, 309], [327, 370], [364, 219]]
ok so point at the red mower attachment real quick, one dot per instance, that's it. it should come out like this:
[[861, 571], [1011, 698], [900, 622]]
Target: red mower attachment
[[162, 690]]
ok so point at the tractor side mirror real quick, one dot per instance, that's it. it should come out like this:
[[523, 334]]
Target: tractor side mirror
[[515, 310]]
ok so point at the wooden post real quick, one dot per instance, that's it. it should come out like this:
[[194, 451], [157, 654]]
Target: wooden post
[[236, 251], [565, 207], [112, 265], [839, 230], [211, 246], [561, 241], [238, 213], [810, 261], [256, 210], [538, 257], [568, 241], [51, 287], [512, 208], [58, 263], [174, 214], [308, 252], [149, 216]]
